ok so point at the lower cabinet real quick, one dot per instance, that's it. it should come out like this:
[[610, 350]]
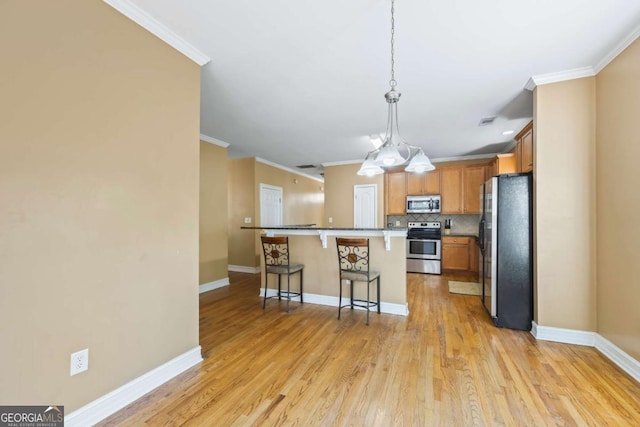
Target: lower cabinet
[[459, 254]]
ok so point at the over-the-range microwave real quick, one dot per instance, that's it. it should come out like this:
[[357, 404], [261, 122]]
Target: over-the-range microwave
[[423, 204]]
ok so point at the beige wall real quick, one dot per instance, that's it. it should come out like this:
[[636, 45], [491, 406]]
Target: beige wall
[[303, 197], [564, 116], [213, 213], [339, 182], [618, 208], [303, 204], [99, 190], [241, 205]]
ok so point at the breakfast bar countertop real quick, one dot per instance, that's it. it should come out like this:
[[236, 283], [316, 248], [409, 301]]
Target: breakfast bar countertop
[[325, 232], [313, 227]]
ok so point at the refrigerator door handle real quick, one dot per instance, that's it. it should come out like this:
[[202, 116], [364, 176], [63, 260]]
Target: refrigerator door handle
[[481, 235]]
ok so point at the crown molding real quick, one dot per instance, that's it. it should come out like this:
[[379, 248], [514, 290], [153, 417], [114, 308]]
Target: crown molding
[[342, 163], [560, 76], [284, 168], [578, 73], [438, 160], [617, 50], [149, 23], [214, 141], [458, 158]]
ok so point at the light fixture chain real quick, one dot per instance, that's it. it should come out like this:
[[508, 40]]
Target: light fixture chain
[[392, 82]]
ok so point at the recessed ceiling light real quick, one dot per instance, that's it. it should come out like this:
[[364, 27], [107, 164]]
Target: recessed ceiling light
[[507, 132]]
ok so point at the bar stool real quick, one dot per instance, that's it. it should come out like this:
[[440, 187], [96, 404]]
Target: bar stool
[[353, 262], [276, 261]]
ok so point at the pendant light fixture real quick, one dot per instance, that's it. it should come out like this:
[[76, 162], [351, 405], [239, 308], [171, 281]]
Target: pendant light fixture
[[394, 151]]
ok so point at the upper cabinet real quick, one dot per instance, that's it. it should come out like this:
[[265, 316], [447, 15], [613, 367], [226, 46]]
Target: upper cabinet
[[472, 179], [395, 192], [423, 184], [503, 163], [451, 190], [524, 149], [459, 187]]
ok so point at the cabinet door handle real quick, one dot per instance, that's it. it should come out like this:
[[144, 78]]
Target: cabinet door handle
[[530, 164]]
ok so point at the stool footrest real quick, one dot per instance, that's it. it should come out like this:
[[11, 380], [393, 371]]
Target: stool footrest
[[286, 295], [363, 303]]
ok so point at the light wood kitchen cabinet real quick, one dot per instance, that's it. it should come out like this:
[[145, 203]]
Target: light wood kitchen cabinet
[[455, 254], [503, 163], [451, 190], [473, 177], [395, 192], [423, 184], [459, 254], [524, 148]]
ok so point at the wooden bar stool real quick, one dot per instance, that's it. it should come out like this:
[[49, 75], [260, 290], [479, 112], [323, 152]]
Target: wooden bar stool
[[353, 262], [276, 261]]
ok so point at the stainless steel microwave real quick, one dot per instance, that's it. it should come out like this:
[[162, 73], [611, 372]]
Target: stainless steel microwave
[[423, 204]]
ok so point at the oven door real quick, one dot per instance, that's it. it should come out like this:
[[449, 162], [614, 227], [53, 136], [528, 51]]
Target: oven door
[[423, 249]]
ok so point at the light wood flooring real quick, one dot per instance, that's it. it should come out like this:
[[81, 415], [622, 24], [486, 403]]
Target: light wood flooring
[[444, 364]]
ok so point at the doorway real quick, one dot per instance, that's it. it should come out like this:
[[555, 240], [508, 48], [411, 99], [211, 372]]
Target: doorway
[[365, 206], [270, 206]]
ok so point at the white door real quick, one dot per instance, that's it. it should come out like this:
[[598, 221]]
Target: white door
[[365, 206], [270, 206]]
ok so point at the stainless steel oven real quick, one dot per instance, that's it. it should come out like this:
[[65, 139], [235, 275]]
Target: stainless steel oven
[[424, 248]]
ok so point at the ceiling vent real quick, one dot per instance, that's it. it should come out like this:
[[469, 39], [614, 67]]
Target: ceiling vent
[[486, 121], [306, 166]]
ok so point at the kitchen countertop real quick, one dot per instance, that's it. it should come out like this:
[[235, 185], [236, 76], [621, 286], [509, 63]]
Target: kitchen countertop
[[306, 227], [325, 232], [460, 235]]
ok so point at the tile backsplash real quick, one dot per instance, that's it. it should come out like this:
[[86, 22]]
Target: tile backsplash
[[463, 224]]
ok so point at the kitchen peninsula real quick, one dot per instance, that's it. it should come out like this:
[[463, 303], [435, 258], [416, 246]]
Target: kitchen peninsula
[[316, 248]]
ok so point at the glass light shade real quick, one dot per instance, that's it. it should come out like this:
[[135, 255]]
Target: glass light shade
[[369, 168], [389, 155], [420, 163]]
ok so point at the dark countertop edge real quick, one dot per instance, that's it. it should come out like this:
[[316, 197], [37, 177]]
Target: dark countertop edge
[[475, 236], [325, 228]]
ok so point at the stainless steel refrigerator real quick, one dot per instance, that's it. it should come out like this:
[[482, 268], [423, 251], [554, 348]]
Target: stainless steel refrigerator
[[505, 237]]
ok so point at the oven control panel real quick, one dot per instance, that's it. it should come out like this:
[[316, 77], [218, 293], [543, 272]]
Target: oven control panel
[[428, 224]]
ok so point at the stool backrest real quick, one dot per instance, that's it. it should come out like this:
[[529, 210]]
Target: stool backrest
[[276, 250], [353, 254]]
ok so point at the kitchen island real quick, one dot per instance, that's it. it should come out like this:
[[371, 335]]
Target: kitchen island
[[316, 249]]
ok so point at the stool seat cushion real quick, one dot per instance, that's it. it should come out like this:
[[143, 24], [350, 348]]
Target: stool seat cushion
[[358, 275], [282, 269]]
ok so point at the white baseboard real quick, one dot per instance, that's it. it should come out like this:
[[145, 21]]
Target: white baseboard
[[567, 336], [112, 402], [243, 269], [591, 339], [627, 363], [206, 287], [385, 307]]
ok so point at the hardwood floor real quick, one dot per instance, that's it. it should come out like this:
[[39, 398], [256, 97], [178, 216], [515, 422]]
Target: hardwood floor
[[444, 364]]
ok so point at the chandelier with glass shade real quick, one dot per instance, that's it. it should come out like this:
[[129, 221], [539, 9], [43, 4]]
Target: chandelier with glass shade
[[394, 151]]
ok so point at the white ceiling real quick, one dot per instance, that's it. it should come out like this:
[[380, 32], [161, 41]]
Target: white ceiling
[[303, 82]]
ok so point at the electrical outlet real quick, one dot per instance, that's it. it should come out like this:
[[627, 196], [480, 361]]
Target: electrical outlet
[[397, 223], [330, 220], [247, 220], [79, 361]]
